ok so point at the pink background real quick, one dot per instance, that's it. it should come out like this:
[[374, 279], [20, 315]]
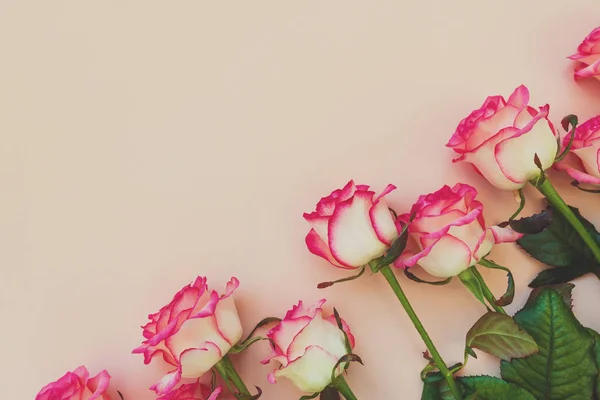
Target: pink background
[[146, 142]]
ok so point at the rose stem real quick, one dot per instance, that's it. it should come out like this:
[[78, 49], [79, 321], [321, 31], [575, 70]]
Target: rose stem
[[439, 362], [487, 293], [554, 198], [227, 371], [342, 386]]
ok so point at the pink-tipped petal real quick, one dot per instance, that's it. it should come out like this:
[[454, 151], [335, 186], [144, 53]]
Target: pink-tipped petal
[[382, 220], [352, 239], [318, 247], [504, 235], [99, 384], [520, 97], [448, 257], [167, 382]]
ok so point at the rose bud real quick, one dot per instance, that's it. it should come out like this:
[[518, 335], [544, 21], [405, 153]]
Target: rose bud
[[588, 56], [502, 138], [308, 346], [583, 163], [77, 385], [192, 333], [450, 232], [351, 226]]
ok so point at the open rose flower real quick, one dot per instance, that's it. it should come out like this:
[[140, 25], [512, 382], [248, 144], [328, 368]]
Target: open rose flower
[[583, 162], [77, 385], [501, 139], [588, 56], [308, 346], [192, 391], [351, 226], [450, 232], [192, 333]]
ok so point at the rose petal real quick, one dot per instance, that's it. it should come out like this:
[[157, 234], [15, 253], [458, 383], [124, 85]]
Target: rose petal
[[352, 239]]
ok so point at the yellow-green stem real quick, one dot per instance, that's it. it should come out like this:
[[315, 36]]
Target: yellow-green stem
[[487, 293], [435, 355]]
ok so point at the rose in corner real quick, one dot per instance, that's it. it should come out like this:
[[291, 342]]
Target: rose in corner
[[192, 333], [502, 138], [77, 385], [351, 226], [583, 162], [450, 232], [588, 56], [308, 346]]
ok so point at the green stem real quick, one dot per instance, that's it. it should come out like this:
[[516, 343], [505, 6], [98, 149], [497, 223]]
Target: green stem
[[554, 198], [342, 386], [487, 293], [521, 205], [227, 371], [435, 355]]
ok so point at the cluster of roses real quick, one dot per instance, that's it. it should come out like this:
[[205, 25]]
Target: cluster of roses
[[508, 142]]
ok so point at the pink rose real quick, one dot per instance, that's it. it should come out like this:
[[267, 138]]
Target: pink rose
[[450, 232], [192, 391], [588, 56], [308, 346], [351, 226], [192, 333], [502, 137], [77, 385], [583, 164]]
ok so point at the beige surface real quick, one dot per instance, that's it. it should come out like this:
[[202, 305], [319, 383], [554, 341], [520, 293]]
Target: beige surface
[[146, 142]]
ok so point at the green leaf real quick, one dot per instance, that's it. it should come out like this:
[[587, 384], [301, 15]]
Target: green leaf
[[345, 359], [435, 387], [564, 367], [558, 275], [490, 388], [557, 245], [472, 283], [565, 290], [498, 334], [596, 352], [534, 224], [243, 345], [395, 249], [509, 295], [309, 396], [415, 278], [330, 393]]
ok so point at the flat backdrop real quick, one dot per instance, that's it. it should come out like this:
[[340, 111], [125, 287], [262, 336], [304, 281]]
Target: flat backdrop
[[146, 142]]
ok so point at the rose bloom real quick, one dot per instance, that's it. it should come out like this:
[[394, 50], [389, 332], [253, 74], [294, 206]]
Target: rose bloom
[[450, 232], [588, 56], [192, 391], [583, 162], [351, 226], [77, 385], [308, 346], [192, 333], [501, 138]]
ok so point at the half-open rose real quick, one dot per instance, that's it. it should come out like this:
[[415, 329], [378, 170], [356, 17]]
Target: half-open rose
[[308, 346], [588, 56], [351, 226], [450, 232], [77, 385], [192, 333], [583, 162], [502, 138]]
